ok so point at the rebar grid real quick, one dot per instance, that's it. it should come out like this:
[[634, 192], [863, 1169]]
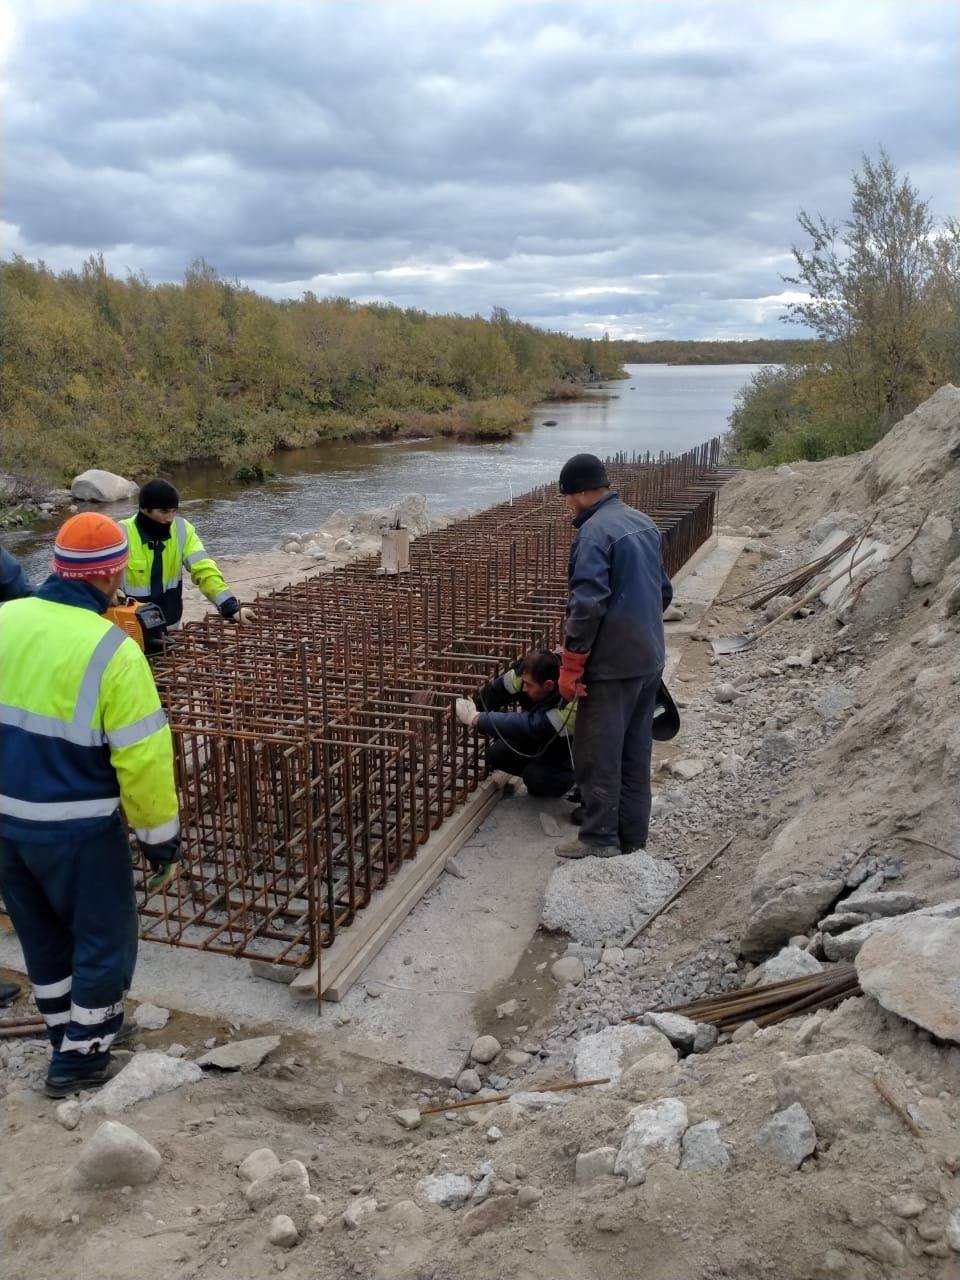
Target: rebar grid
[[317, 748]]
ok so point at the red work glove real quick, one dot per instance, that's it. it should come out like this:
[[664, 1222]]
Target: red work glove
[[571, 674]]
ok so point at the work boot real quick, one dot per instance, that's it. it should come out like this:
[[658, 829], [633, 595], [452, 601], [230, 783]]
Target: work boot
[[129, 1031], [64, 1086], [577, 849], [8, 993], [576, 815], [637, 848], [573, 796]]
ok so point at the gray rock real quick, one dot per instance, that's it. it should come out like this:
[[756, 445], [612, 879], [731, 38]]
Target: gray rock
[[507, 1009], [176, 1050], [517, 1058], [653, 1135], [912, 968], [495, 1212], [688, 769], [240, 1055], [703, 1148], [789, 1137], [613, 1050], [484, 1049], [102, 486], [282, 1232], [343, 545], [777, 747], [258, 1164], [792, 910], [789, 963], [833, 702], [673, 613], [146, 1075], [408, 1118], [446, 1189], [68, 1114], [151, 1017], [592, 1166], [706, 1037], [117, 1156], [680, 1031], [746, 1031], [593, 899], [836, 1090], [936, 545], [846, 946], [889, 903], [568, 969], [907, 1206], [358, 1211], [528, 1196], [838, 921], [727, 692], [952, 1231], [469, 1081], [289, 1178]]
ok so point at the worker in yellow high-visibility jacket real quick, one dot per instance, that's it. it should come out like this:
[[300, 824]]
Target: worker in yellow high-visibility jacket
[[82, 736], [162, 545]]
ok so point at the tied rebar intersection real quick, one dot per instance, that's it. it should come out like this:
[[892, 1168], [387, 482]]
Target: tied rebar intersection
[[317, 748]]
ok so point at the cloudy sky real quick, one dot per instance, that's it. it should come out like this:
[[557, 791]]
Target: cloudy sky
[[634, 166]]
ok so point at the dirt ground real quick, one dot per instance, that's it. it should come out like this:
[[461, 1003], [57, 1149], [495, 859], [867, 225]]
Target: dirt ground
[[877, 1198]]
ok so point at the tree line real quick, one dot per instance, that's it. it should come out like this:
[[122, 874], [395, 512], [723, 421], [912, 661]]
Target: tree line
[[882, 294], [686, 351], [129, 375]]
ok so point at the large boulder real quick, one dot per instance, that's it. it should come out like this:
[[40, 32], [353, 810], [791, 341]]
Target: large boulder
[[846, 946], [789, 912], [102, 486], [936, 545], [922, 447], [836, 1090], [913, 969], [613, 1050]]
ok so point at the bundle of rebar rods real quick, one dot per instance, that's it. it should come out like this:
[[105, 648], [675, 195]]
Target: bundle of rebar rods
[[774, 1003], [317, 747], [796, 580]]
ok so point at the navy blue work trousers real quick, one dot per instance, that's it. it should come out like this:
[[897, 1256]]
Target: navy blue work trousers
[[72, 904], [612, 747], [550, 774]]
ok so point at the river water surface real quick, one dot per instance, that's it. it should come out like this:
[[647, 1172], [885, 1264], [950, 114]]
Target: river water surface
[[657, 408]]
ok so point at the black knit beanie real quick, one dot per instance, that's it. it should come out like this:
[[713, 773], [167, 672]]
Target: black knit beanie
[[582, 472], [158, 495]]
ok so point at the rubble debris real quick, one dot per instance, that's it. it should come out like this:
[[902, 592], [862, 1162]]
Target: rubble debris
[[611, 1051], [703, 1148], [494, 1212], [593, 1166], [145, 1076], [653, 1134], [258, 1164], [568, 969], [286, 1178], [240, 1055], [446, 1189], [790, 911], [408, 1118], [593, 899], [913, 969], [789, 1136], [358, 1211], [151, 1017]]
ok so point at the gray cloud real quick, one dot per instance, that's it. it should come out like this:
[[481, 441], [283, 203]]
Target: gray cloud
[[636, 167]]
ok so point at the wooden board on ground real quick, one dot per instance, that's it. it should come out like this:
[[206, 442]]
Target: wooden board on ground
[[355, 947]]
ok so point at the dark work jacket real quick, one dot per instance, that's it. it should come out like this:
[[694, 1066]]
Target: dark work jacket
[[13, 584], [547, 726], [618, 590]]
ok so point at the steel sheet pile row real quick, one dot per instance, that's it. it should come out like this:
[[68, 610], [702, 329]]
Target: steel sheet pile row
[[317, 747]]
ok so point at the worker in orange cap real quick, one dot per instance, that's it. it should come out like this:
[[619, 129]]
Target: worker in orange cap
[[82, 736]]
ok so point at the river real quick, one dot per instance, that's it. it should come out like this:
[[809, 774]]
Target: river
[[658, 408]]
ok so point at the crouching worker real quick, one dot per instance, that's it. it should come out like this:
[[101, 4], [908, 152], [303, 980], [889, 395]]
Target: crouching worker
[[82, 736], [533, 742]]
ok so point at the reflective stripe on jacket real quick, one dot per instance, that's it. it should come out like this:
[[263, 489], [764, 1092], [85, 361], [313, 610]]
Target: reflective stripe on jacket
[[182, 550], [82, 731]]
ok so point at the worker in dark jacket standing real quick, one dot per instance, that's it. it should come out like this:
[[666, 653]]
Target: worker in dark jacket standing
[[612, 659]]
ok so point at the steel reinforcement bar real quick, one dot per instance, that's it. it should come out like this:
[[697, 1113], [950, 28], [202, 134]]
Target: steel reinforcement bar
[[317, 747]]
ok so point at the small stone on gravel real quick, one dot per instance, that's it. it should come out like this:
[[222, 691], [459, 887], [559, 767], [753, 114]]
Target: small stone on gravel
[[282, 1232], [258, 1164], [68, 1114], [408, 1118], [117, 1156], [568, 969], [789, 1137], [151, 1017], [468, 1081], [484, 1049]]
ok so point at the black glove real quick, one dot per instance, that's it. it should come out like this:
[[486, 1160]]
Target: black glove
[[161, 854], [229, 608]]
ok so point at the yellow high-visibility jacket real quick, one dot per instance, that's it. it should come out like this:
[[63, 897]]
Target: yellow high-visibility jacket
[[182, 550], [82, 731]]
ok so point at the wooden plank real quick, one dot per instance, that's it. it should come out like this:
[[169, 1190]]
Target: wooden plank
[[391, 905]]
